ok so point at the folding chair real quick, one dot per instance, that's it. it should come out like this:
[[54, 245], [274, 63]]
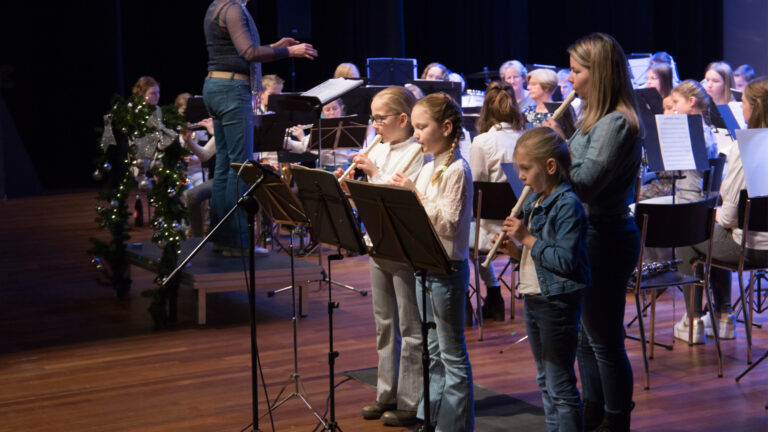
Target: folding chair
[[672, 226], [753, 214], [491, 201]]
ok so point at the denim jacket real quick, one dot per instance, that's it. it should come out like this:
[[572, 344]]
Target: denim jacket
[[559, 224]]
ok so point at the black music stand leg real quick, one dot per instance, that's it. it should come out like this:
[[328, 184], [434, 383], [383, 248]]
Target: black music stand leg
[[331, 425], [249, 204], [425, 326]]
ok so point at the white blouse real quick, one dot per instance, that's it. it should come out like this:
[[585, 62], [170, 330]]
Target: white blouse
[[391, 158], [489, 151], [448, 202], [728, 216]]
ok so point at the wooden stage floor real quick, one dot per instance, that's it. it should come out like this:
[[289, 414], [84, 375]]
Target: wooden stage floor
[[74, 358]]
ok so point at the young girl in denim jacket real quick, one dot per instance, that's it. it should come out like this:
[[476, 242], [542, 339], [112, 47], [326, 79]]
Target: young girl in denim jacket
[[553, 271]]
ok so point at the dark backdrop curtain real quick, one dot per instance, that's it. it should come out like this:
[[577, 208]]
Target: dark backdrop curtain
[[64, 62]]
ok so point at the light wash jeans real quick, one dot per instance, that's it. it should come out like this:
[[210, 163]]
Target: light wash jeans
[[452, 405]]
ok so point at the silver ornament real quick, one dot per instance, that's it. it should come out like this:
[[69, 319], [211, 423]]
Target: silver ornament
[[97, 175], [106, 167], [145, 185], [129, 105], [124, 130]]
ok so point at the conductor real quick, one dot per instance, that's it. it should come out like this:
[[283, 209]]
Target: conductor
[[230, 91]]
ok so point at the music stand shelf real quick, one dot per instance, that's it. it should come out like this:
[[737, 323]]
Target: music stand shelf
[[211, 272]]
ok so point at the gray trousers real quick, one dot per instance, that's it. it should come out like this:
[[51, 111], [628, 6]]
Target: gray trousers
[[398, 334], [723, 249]]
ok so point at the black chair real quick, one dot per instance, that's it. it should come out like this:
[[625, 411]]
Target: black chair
[[672, 226], [713, 178], [753, 214], [492, 201]]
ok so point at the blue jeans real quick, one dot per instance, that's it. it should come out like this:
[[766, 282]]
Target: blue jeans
[[229, 103], [606, 375], [452, 406], [552, 324]]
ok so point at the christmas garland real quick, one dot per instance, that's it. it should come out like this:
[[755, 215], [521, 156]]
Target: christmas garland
[[140, 148]]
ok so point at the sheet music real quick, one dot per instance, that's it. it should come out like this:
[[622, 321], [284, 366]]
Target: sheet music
[[754, 158], [675, 142], [639, 66], [738, 113], [332, 89]]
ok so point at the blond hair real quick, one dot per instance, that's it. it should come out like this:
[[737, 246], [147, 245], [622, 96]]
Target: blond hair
[[441, 108], [756, 94], [726, 73], [436, 65], [399, 100], [181, 100], [610, 87], [271, 80], [346, 70], [543, 143], [547, 79], [692, 89]]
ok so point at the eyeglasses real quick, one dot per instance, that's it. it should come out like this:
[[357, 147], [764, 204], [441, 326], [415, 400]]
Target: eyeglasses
[[382, 118]]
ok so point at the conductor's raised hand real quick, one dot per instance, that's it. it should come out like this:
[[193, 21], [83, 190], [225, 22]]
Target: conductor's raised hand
[[304, 50], [284, 43]]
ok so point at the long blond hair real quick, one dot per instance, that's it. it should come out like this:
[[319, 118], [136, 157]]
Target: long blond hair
[[726, 73], [441, 108], [610, 87]]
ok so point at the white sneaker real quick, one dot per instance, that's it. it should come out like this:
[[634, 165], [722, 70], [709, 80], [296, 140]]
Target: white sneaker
[[726, 327], [681, 330]]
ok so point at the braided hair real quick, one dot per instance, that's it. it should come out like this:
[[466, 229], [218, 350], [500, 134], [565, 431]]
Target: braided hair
[[441, 108]]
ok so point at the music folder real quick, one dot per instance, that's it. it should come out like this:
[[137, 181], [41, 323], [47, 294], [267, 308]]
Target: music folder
[[676, 143], [196, 110], [398, 226], [754, 159]]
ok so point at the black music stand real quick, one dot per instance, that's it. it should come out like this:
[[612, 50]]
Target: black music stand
[[340, 132], [332, 222], [249, 204], [431, 86], [401, 231], [654, 144], [281, 204], [196, 110], [497, 205]]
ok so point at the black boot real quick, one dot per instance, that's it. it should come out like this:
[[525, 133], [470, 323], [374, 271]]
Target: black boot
[[468, 315], [593, 415], [614, 422], [494, 304]]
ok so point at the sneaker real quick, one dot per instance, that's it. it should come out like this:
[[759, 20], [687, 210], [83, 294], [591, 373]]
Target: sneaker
[[375, 410], [681, 330], [726, 327], [243, 251], [399, 418]]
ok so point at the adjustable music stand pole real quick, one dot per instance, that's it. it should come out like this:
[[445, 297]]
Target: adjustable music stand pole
[[247, 202], [425, 326], [331, 425]]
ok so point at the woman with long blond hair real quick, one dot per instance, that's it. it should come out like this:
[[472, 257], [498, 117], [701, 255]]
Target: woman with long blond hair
[[606, 160]]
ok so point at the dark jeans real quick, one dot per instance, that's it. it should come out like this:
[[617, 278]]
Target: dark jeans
[[606, 375], [229, 103], [552, 324]]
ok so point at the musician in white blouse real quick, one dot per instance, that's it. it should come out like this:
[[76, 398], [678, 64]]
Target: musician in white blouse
[[445, 189], [499, 126], [395, 310]]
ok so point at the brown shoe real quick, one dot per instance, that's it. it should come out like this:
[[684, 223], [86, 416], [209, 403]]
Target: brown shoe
[[399, 418], [375, 410]]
